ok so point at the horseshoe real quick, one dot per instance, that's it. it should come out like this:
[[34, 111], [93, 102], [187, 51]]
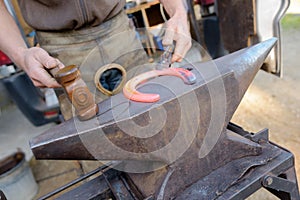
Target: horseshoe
[[130, 88]]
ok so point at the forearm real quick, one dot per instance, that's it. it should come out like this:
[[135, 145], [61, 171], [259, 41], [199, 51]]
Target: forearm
[[175, 7], [32, 60], [11, 41], [177, 28]]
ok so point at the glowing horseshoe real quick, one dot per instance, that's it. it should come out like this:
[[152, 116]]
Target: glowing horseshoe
[[130, 91]]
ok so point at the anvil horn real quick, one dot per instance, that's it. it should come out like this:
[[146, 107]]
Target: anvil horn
[[125, 130]]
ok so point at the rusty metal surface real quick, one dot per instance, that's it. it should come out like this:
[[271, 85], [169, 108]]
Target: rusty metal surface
[[280, 166], [190, 168], [222, 179], [236, 180], [236, 71], [201, 129]]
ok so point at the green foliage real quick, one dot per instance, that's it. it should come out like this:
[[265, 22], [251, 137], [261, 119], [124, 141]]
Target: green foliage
[[290, 21]]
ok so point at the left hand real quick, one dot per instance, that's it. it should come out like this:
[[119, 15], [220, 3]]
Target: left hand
[[177, 29]]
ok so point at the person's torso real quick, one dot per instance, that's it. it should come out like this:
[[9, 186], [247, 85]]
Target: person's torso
[[58, 15]]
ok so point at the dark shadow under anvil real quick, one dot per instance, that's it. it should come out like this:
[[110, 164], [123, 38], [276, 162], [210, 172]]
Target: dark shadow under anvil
[[167, 146]]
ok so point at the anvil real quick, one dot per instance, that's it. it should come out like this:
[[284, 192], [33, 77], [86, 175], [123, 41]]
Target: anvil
[[168, 145]]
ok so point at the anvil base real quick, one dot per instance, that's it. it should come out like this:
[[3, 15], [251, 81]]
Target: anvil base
[[273, 170]]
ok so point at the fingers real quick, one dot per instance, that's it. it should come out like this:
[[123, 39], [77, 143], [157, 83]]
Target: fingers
[[41, 78], [36, 60], [52, 63], [49, 84], [47, 61], [183, 44], [177, 30]]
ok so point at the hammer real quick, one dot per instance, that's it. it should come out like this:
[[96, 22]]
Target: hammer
[[77, 91]]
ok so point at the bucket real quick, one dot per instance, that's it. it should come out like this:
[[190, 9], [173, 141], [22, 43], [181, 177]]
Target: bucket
[[16, 179]]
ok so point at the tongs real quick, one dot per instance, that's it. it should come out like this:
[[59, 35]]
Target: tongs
[[166, 58]]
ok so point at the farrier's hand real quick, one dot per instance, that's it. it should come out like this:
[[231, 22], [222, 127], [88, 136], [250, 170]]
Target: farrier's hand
[[177, 28], [34, 61]]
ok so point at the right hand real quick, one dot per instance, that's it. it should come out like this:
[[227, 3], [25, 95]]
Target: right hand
[[35, 61]]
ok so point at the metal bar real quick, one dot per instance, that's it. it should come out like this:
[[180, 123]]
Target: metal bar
[[283, 186], [128, 188], [120, 190], [260, 136], [103, 167], [109, 184], [291, 175], [92, 189], [252, 182], [277, 33]]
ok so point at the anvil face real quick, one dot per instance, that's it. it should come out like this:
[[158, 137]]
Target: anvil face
[[184, 131]]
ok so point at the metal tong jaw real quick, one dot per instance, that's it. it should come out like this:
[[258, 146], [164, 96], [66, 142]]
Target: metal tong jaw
[[166, 58]]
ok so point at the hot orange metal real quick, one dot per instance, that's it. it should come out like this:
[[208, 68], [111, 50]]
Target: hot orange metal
[[130, 88]]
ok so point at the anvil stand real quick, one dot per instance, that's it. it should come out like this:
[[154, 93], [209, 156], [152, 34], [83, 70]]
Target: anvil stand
[[277, 176]]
